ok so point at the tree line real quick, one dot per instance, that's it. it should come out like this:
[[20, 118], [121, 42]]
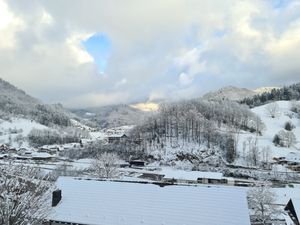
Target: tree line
[[287, 93], [210, 123]]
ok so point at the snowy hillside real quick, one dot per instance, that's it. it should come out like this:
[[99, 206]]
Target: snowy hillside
[[272, 127], [16, 103], [229, 93], [15, 131]]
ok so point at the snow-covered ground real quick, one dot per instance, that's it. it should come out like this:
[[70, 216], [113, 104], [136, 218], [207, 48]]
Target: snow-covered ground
[[272, 127], [17, 126], [102, 134]]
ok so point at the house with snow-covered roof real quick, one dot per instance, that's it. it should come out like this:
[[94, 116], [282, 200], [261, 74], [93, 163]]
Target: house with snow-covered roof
[[95, 202], [183, 176], [293, 210], [4, 147], [116, 138]]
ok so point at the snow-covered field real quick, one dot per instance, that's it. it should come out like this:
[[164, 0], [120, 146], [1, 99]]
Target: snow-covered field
[[17, 126], [272, 127]]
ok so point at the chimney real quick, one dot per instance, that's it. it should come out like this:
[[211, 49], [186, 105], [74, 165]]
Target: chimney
[[56, 197]]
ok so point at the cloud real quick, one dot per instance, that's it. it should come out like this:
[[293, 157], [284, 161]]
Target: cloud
[[99, 47], [158, 49], [191, 65], [98, 99], [9, 24], [78, 52]]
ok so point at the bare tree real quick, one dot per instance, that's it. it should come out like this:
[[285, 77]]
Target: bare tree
[[266, 152], [272, 109], [259, 125], [253, 151], [290, 139], [295, 107], [286, 138], [262, 202], [105, 165], [24, 195]]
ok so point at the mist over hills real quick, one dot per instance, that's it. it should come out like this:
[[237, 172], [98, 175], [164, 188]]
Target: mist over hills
[[111, 116]]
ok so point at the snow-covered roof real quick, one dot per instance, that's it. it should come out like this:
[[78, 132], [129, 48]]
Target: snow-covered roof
[[189, 175], [107, 202], [116, 135], [41, 155], [293, 157], [3, 155], [296, 204]]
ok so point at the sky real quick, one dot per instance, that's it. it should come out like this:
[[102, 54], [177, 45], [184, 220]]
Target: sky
[[101, 52]]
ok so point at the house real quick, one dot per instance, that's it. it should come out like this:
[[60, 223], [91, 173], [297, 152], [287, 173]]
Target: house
[[292, 158], [137, 163], [96, 202], [293, 210], [23, 149], [151, 176], [4, 147], [3, 156], [117, 138], [182, 176], [42, 156], [49, 150]]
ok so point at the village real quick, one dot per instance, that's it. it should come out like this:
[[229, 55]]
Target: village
[[173, 112], [146, 184]]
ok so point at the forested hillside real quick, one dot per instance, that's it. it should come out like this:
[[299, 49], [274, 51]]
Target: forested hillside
[[287, 93], [16, 103], [212, 124], [229, 93]]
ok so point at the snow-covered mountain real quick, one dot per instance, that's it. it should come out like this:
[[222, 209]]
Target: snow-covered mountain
[[229, 93], [20, 114]]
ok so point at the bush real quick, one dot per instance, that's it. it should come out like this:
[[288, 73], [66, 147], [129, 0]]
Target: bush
[[289, 126], [284, 138], [276, 140]]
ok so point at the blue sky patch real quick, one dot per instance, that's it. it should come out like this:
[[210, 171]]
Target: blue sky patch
[[99, 47], [279, 4]]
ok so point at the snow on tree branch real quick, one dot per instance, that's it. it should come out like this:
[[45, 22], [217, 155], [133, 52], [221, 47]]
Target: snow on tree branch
[[24, 195]]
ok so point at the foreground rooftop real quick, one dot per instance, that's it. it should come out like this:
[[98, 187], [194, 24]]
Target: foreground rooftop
[[96, 202]]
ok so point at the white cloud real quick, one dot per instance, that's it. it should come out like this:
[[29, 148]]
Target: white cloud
[[121, 82], [9, 25], [214, 43], [191, 65], [78, 52], [46, 18], [97, 99]]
